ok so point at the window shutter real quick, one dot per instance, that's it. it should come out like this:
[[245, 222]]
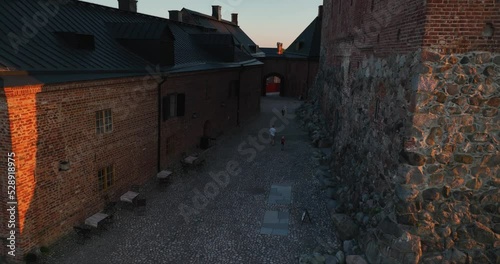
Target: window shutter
[[181, 104], [166, 107]]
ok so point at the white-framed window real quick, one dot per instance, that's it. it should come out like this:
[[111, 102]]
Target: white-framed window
[[106, 177], [104, 121]]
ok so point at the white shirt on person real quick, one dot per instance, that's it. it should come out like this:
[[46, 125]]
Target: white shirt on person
[[272, 131]]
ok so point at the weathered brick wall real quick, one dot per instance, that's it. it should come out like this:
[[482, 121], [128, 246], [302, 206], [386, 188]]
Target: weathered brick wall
[[55, 123], [461, 26], [359, 28], [353, 29], [22, 118], [58, 123], [204, 95], [251, 83], [298, 74], [274, 65], [209, 96], [5, 148]]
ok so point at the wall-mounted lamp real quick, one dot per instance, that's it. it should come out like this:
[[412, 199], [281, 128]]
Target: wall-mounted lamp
[[194, 116]]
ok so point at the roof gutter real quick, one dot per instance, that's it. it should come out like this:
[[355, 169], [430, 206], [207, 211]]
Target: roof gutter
[[242, 68]]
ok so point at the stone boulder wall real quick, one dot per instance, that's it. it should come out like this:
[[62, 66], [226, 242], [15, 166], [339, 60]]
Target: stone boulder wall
[[416, 148]]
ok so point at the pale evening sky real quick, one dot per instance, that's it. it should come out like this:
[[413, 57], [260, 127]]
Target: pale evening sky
[[265, 21]]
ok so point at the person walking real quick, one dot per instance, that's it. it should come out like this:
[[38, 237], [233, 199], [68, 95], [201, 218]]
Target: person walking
[[272, 132], [282, 142]]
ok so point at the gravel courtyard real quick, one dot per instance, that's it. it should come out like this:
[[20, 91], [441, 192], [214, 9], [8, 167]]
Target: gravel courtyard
[[227, 227]]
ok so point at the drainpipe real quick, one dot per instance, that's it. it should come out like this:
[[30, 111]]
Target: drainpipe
[[164, 79], [307, 81], [239, 92]]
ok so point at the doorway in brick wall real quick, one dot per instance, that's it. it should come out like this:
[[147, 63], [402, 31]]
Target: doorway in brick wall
[[273, 84], [207, 137]]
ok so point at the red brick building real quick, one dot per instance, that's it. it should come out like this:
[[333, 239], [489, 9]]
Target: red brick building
[[297, 66], [96, 99]]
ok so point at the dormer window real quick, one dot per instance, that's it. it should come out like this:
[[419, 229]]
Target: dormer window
[[253, 48], [300, 45], [155, 45], [77, 40]]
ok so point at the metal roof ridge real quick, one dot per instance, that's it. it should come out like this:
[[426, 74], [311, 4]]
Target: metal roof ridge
[[209, 17], [117, 9]]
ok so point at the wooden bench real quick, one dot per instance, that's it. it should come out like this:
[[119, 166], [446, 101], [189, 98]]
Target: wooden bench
[[164, 176], [96, 219], [129, 197]]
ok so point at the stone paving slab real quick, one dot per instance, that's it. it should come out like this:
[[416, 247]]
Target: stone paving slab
[[280, 194], [275, 223]]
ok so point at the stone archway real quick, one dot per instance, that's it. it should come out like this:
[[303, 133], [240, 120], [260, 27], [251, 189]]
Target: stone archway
[[274, 85]]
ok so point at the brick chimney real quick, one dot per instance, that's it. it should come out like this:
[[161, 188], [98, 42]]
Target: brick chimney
[[217, 12], [128, 5], [234, 18], [175, 15], [320, 11], [280, 48]]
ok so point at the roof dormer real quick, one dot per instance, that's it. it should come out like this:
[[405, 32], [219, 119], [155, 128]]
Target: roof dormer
[[77, 40]]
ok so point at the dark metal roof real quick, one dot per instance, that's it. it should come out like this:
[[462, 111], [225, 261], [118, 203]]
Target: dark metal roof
[[271, 52], [43, 52], [241, 39], [308, 42], [44, 78], [137, 30]]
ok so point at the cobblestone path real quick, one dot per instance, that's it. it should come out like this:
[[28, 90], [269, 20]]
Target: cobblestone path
[[227, 226]]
